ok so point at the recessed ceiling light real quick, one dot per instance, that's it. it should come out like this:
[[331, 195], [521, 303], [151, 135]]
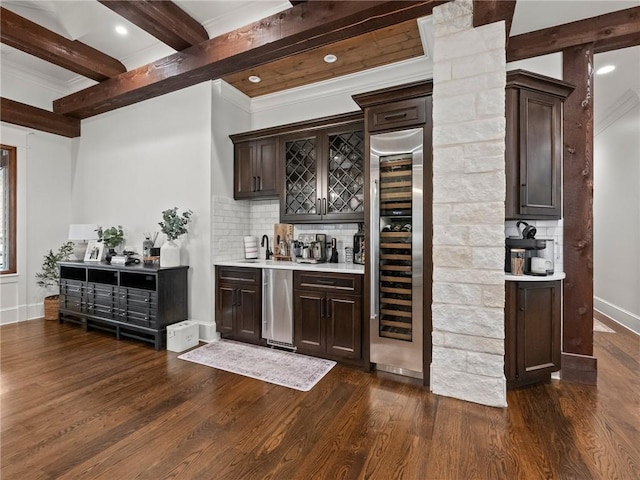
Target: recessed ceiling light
[[330, 58], [255, 79], [606, 69], [121, 30]]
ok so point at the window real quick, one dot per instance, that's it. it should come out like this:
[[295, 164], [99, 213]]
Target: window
[[8, 188]]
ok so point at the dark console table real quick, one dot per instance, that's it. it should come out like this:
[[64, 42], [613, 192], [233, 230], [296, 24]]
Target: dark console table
[[135, 301]]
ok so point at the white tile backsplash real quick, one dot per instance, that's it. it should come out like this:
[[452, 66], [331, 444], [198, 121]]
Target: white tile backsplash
[[233, 219]]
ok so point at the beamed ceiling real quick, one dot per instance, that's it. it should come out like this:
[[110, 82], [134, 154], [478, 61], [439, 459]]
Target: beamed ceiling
[[282, 49]]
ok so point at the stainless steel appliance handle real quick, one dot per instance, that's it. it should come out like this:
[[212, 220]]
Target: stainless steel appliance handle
[[375, 248], [265, 299]]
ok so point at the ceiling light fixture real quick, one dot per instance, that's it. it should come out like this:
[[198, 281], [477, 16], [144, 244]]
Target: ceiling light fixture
[[121, 30], [606, 69], [330, 58], [255, 79]]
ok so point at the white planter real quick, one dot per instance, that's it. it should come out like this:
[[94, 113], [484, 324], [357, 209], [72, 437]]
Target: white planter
[[170, 254]]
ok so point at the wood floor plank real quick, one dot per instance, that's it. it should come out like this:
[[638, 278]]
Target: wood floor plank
[[83, 405]]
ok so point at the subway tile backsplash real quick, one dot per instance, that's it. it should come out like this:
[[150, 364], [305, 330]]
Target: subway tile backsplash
[[233, 219]]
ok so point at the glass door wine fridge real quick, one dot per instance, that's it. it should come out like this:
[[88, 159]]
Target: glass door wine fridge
[[396, 258]]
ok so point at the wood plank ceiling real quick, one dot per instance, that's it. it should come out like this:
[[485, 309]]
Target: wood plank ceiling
[[285, 50]]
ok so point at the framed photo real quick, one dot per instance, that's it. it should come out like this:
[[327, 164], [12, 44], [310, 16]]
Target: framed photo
[[95, 251]]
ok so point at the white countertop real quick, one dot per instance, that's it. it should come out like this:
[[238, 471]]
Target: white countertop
[[284, 265], [534, 278]]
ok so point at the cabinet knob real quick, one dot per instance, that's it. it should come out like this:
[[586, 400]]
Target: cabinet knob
[[522, 309]]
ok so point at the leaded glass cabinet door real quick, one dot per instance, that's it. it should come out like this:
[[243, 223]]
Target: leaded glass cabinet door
[[344, 176], [302, 198]]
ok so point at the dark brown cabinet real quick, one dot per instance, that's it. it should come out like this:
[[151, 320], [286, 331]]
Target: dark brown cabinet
[[256, 170], [328, 315], [135, 301], [534, 145], [532, 331], [239, 303], [323, 175]]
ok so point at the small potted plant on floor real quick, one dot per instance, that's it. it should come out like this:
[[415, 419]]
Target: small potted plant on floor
[[111, 237], [173, 226], [49, 277]]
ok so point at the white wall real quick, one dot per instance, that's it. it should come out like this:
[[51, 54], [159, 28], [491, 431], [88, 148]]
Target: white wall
[[135, 162], [616, 211], [44, 213]]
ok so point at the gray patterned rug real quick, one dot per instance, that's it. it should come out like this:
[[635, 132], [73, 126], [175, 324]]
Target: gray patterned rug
[[274, 366]]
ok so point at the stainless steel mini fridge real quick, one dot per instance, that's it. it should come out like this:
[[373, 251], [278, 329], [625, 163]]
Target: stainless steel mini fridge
[[395, 262]]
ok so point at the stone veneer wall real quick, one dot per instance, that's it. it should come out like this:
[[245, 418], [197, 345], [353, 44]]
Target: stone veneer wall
[[468, 206]]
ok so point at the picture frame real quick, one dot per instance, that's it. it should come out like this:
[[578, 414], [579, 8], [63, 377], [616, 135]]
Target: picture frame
[[94, 252]]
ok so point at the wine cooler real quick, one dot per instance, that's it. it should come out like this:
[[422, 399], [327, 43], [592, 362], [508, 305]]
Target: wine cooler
[[396, 217]]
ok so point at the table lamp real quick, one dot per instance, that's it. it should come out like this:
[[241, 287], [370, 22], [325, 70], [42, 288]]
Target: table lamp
[[80, 234]]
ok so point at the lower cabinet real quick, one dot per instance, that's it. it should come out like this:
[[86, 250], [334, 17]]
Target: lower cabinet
[[532, 331], [239, 303], [328, 315]]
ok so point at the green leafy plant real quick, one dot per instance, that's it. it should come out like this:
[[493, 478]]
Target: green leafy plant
[[49, 276], [111, 237], [174, 225]]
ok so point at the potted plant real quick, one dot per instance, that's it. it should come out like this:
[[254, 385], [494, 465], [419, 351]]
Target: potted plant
[[49, 277], [111, 237], [173, 226]]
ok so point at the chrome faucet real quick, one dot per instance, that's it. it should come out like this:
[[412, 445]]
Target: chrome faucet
[[268, 253]]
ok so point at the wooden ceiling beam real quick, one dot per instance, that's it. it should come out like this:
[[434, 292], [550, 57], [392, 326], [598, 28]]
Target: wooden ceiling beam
[[610, 31], [163, 19], [17, 113], [491, 11], [73, 55], [301, 28]]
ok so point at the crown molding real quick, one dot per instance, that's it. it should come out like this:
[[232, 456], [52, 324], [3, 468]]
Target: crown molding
[[232, 95], [619, 108], [15, 70]]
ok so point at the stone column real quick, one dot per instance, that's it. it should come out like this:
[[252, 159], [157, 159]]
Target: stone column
[[468, 206]]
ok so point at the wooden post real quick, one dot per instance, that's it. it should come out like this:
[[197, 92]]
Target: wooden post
[[578, 362]]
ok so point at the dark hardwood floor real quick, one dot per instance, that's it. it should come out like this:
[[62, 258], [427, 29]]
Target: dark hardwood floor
[[78, 405]]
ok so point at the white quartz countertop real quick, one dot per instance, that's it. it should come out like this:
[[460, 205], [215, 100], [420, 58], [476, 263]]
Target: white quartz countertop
[[284, 265], [534, 278]]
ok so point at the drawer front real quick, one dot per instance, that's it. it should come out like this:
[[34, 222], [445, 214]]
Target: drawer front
[[72, 302], [398, 114], [340, 282], [137, 299], [138, 318], [102, 311], [248, 276], [72, 288], [102, 294]]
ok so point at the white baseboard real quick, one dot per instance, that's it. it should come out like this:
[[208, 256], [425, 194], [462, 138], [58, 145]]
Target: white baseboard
[[21, 313], [619, 315]]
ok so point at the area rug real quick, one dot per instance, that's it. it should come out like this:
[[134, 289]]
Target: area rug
[[287, 369], [598, 326]]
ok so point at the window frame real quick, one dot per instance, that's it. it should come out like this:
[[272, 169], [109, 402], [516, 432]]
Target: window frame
[[11, 210]]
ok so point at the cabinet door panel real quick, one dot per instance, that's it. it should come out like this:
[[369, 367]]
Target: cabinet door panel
[[248, 313], [245, 181], [344, 319], [225, 308], [540, 154], [308, 324], [266, 164], [301, 199], [538, 337]]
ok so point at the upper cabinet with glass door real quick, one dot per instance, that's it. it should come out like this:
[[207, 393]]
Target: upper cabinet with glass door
[[324, 175]]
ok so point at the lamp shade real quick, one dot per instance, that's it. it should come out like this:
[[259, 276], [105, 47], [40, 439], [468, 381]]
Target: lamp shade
[[83, 231]]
